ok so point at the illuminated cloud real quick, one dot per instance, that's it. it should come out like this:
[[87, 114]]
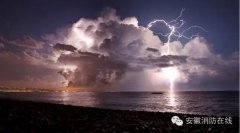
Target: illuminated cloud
[[93, 70], [115, 53], [142, 52]]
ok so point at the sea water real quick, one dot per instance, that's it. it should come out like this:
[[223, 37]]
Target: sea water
[[218, 103]]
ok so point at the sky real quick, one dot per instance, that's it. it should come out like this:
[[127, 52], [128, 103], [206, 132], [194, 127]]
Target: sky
[[107, 45]]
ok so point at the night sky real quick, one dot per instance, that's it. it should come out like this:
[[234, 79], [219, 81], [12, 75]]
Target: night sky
[[36, 18], [27, 25]]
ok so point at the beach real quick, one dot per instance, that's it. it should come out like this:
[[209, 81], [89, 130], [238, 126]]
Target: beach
[[25, 116]]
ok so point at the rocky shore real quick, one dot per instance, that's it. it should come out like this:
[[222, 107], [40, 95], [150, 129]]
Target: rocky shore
[[24, 116]]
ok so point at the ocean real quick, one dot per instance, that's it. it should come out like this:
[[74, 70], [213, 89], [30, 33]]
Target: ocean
[[218, 103]]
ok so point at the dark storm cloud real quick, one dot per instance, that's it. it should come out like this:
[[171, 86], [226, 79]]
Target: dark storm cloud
[[107, 48], [162, 61], [111, 51], [93, 70], [152, 50], [174, 59], [59, 46], [125, 41], [111, 48]]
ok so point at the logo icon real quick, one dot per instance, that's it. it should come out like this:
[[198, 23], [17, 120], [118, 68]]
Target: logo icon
[[176, 120]]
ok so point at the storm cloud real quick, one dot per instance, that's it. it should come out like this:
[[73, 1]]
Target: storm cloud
[[115, 53], [63, 47], [138, 52]]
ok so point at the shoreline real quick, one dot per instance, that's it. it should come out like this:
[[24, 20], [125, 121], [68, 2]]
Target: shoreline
[[29, 116]]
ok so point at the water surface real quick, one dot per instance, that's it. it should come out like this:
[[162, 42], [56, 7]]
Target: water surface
[[210, 103]]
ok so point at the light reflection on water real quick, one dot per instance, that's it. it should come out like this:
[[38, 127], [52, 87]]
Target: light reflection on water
[[79, 99], [212, 103], [65, 96], [171, 99]]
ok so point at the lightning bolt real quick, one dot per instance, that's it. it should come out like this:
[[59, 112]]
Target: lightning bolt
[[175, 26]]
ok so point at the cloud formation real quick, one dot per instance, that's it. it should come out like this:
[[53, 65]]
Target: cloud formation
[[26, 66], [142, 52], [115, 53], [28, 42], [64, 47], [93, 70], [106, 48]]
